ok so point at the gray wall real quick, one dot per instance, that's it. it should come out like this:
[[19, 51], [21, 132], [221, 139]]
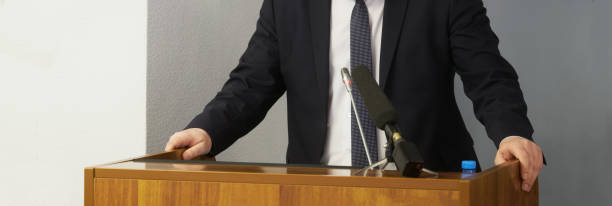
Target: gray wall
[[192, 47], [560, 48]]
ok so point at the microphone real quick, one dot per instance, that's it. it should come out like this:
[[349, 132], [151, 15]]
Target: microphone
[[405, 153], [346, 78]]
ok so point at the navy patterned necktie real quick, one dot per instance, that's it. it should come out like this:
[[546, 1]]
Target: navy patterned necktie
[[361, 55]]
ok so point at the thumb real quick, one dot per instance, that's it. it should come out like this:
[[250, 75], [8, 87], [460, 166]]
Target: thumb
[[501, 157], [194, 151]]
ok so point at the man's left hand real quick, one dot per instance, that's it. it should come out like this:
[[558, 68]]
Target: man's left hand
[[527, 152]]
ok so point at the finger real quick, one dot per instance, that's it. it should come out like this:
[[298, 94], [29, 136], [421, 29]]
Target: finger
[[171, 143], [535, 153], [540, 158], [194, 151], [526, 167], [538, 161], [532, 152], [536, 171], [178, 140]]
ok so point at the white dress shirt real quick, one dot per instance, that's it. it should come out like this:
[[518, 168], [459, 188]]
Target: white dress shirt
[[337, 149]]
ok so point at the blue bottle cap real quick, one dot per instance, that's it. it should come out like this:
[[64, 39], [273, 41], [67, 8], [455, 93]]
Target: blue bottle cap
[[468, 164]]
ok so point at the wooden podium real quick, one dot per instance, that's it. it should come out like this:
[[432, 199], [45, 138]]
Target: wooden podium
[[164, 179]]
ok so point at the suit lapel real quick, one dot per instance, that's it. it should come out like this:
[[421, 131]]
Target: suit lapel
[[393, 19], [319, 26]]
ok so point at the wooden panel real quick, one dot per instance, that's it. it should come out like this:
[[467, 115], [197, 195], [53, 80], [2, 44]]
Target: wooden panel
[[274, 175], [509, 190], [89, 187], [265, 174], [115, 192], [331, 195], [188, 183], [162, 192], [249, 194], [499, 186]]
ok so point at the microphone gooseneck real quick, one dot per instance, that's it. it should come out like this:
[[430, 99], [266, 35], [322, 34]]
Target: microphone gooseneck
[[346, 78]]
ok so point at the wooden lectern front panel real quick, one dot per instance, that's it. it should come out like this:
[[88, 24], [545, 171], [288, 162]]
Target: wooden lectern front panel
[[135, 182], [162, 192], [115, 192], [111, 192], [332, 195]]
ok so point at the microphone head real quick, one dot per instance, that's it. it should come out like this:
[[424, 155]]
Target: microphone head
[[346, 77], [378, 105]]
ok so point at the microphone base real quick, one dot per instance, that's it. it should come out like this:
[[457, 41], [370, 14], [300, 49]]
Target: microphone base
[[382, 163]]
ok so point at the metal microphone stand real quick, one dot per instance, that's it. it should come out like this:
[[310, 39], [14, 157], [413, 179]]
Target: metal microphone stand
[[384, 162], [346, 77]]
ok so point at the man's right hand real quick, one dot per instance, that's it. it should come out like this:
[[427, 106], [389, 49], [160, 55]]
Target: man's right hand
[[196, 139]]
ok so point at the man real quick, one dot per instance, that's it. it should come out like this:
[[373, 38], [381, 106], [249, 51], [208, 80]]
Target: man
[[413, 47]]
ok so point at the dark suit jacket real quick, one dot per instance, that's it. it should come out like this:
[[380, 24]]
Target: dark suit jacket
[[424, 43]]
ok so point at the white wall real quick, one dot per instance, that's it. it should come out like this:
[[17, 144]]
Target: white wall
[[72, 94]]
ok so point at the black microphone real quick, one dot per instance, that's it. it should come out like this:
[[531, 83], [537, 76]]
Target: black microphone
[[405, 153]]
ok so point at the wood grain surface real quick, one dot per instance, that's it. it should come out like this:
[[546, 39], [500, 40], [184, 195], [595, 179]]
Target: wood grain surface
[[202, 183], [274, 175], [89, 186], [115, 192], [500, 186], [162, 192], [331, 195]]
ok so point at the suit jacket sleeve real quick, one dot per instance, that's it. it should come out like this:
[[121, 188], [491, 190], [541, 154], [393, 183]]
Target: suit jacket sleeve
[[253, 87], [489, 80]]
